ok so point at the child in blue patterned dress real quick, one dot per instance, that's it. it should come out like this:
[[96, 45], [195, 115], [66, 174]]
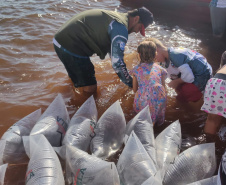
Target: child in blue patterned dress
[[149, 83]]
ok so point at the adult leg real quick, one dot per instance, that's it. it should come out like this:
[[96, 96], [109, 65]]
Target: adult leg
[[218, 20], [80, 70], [212, 124]]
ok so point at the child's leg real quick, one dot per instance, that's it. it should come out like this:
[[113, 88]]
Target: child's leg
[[212, 124]]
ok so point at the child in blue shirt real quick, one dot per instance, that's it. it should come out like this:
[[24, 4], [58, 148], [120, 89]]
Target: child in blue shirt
[[188, 70]]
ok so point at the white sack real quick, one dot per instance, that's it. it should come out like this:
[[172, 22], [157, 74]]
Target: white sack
[[44, 166], [82, 125], [208, 181], [2, 173], [221, 176], [168, 144], [135, 165], [53, 122], [13, 149], [85, 169], [61, 151], [142, 125], [110, 132], [154, 180], [194, 164]]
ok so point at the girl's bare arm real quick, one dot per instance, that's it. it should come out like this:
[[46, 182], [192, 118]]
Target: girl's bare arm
[[135, 84]]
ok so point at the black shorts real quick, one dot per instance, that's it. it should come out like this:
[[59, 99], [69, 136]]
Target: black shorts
[[80, 70]]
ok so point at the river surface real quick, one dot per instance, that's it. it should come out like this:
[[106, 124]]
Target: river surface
[[32, 75]]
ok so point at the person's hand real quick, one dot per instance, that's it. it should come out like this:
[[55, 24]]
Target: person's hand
[[175, 83], [172, 84]]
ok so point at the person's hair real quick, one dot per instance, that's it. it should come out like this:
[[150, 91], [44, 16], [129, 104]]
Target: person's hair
[[223, 59], [147, 51], [157, 42]]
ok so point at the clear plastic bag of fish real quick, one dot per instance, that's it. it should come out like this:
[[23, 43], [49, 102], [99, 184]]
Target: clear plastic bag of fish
[[2, 173], [85, 169], [168, 144], [194, 164], [208, 181], [135, 165], [44, 166], [109, 132], [81, 127], [221, 176], [53, 122], [154, 180], [142, 126], [11, 144]]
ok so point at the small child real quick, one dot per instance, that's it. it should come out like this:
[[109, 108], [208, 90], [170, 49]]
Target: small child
[[149, 83], [214, 103], [188, 70]]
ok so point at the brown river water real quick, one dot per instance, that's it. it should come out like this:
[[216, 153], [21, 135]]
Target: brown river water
[[32, 75]]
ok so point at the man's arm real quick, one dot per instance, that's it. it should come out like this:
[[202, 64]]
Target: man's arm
[[119, 36]]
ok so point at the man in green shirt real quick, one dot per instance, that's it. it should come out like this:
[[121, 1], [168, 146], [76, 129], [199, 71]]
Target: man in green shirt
[[98, 32]]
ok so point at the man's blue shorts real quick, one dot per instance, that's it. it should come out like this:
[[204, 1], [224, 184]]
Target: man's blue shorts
[[79, 69]]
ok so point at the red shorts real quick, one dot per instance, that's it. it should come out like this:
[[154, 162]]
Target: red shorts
[[188, 92]]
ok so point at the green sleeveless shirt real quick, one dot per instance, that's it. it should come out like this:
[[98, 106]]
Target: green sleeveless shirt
[[87, 33]]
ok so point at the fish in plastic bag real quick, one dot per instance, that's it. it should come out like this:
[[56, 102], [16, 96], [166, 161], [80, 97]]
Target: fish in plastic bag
[[2, 173], [2, 147], [53, 122], [208, 181], [194, 164], [154, 180], [81, 127], [11, 144], [85, 169], [168, 144], [135, 165], [110, 132], [221, 176], [142, 125], [44, 166]]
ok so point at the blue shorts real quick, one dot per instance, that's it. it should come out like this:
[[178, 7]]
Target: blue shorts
[[79, 69]]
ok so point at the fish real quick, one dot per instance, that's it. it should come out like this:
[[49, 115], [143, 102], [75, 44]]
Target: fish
[[109, 132]]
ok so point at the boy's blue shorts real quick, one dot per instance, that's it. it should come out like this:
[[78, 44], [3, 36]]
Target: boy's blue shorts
[[79, 69]]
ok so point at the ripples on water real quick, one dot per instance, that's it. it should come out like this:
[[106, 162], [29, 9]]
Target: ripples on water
[[32, 75]]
